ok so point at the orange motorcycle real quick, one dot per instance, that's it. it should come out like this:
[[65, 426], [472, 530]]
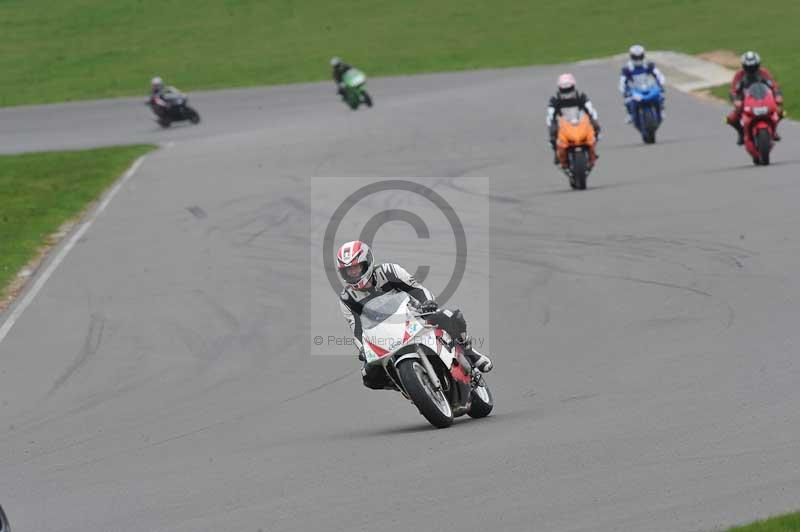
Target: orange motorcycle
[[576, 146]]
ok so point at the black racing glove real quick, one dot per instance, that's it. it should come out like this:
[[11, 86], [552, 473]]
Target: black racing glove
[[428, 307]]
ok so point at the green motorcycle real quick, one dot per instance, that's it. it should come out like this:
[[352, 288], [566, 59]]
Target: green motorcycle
[[354, 93]]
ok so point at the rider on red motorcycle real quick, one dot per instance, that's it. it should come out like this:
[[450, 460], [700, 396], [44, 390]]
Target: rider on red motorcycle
[[751, 72], [365, 280]]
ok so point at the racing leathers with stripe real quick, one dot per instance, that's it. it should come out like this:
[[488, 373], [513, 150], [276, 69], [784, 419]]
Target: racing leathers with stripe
[[388, 277]]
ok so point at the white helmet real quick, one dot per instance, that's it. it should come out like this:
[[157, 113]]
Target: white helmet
[[566, 86], [156, 82], [751, 62], [636, 53], [355, 264], [335, 61]]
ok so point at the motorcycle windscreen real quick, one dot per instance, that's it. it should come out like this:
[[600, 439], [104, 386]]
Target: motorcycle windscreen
[[644, 82], [572, 115], [354, 78], [758, 91], [574, 128], [383, 320]]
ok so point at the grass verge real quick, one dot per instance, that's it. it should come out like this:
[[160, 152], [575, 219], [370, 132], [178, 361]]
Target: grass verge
[[782, 523], [721, 92], [39, 192], [82, 49]]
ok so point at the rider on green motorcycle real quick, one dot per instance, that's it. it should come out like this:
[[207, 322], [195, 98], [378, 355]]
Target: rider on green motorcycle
[[339, 69]]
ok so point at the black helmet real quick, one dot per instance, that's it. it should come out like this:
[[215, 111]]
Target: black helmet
[[751, 62]]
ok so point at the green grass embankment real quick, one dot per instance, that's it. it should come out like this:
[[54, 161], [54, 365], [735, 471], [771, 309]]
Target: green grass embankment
[[85, 49], [41, 191], [782, 523]]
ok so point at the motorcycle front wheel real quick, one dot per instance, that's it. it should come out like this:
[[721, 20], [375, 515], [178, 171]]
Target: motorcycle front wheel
[[579, 169], [431, 403], [649, 126], [763, 144], [352, 98], [482, 400]]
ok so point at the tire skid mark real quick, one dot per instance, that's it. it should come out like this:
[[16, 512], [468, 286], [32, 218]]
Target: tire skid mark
[[94, 337], [198, 430], [197, 212]]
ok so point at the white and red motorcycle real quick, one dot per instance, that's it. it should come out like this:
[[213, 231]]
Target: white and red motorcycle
[[422, 361]]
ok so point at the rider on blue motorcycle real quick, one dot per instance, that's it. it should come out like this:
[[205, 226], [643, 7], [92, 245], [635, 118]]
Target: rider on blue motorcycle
[[637, 66]]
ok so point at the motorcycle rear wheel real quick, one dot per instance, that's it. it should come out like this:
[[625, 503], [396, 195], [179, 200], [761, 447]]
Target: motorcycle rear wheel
[[194, 116], [432, 404]]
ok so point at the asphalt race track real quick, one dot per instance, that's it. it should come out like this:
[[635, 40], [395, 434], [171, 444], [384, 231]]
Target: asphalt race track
[[645, 332]]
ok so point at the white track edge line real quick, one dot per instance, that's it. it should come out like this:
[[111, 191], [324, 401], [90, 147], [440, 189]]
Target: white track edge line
[[40, 281]]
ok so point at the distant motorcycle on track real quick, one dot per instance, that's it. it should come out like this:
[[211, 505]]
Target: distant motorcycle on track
[[354, 92], [760, 117], [426, 366], [171, 107], [576, 146], [648, 97]]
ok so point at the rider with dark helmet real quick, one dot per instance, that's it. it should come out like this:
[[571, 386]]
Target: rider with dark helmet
[[365, 280], [751, 72], [339, 69]]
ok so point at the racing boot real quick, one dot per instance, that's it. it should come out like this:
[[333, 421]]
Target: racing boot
[[478, 360], [739, 130], [555, 153]]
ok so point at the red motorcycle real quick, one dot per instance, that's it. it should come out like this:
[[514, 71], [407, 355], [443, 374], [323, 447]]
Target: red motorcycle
[[759, 120]]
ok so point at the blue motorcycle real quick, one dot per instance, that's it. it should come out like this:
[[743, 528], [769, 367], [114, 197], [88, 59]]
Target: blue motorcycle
[[647, 97]]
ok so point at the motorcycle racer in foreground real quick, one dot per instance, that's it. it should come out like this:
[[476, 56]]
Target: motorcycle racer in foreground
[[364, 280]]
